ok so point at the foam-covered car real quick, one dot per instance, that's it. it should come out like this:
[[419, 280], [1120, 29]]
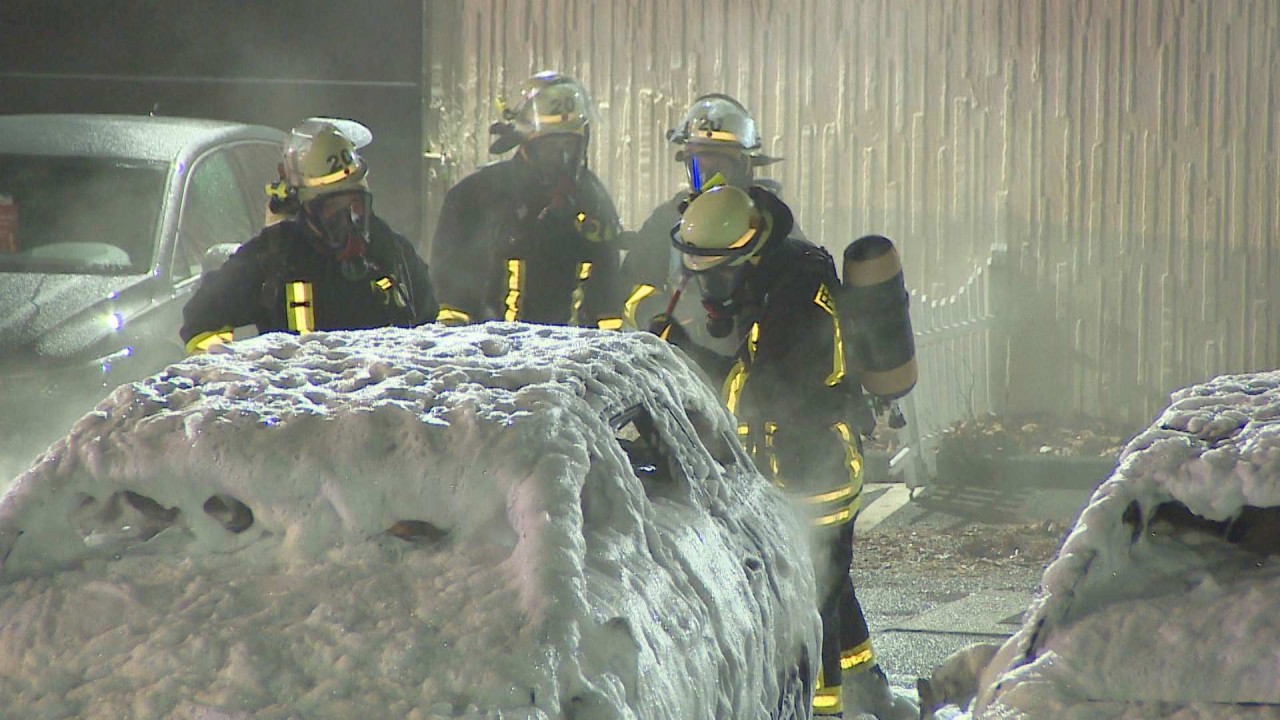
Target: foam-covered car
[[502, 520], [1163, 600], [104, 223]]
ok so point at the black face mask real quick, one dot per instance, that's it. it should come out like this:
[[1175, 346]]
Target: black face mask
[[557, 160], [718, 287], [341, 223]]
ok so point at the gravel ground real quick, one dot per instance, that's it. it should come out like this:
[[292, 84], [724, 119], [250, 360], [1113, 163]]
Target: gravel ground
[[918, 564], [964, 549]]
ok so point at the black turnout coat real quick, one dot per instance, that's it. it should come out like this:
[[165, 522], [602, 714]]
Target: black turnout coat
[[250, 288], [504, 250]]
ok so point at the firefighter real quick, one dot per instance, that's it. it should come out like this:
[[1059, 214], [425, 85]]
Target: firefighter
[[718, 142], [330, 265], [769, 297], [534, 237]]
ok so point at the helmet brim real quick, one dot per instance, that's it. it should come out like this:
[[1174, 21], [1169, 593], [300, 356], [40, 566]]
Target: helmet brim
[[702, 263], [757, 159], [696, 259], [357, 132]]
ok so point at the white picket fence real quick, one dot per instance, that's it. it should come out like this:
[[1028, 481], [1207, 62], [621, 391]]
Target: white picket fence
[[962, 352]]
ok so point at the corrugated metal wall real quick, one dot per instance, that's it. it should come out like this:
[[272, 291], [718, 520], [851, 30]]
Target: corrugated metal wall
[[1124, 150]]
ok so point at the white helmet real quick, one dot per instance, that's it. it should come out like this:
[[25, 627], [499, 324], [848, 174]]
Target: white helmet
[[717, 120], [548, 103], [319, 160]]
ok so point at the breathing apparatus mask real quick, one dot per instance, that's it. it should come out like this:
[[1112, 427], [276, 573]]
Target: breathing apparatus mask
[[341, 224], [719, 235], [718, 287], [556, 160], [731, 165]]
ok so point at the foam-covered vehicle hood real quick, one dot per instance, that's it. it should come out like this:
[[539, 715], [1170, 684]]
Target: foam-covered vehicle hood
[[1162, 601], [452, 522]]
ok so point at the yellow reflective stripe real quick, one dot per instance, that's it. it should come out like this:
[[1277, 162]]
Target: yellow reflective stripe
[[609, 323], [330, 178], [835, 518], [861, 657], [556, 119], [717, 135], [584, 273], [515, 286], [298, 307], [827, 698], [452, 316], [827, 701], [383, 283], [833, 514], [841, 493], [852, 458], [824, 300], [745, 437], [205, 340], [731, 391], [666, 332], [633, 301], [853, 463], [837, 355], [772, 457]]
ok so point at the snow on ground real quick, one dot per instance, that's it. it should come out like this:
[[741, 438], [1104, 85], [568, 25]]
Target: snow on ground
[[402, 523], [1163, 600]]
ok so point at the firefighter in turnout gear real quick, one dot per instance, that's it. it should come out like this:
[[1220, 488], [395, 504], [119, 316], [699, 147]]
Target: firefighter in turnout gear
[[330, 264], [770, 297], [532, 238], [718, 142]]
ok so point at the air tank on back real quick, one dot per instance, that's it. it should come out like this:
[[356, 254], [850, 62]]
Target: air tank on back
[[882, 347]]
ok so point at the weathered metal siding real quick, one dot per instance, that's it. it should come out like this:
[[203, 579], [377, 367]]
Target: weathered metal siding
[[1125, 151]]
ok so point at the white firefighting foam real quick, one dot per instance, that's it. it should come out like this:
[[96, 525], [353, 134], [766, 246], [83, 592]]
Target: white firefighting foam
[[1144, 614], [410, 523]]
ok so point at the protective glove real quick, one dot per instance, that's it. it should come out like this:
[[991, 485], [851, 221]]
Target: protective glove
[[668, 329]]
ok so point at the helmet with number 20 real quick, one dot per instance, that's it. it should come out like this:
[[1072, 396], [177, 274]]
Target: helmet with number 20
[[550, 103], [320, 160]]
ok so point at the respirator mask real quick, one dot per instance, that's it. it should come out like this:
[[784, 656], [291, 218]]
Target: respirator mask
[[342, 224], [557, 160], [718, 286]]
